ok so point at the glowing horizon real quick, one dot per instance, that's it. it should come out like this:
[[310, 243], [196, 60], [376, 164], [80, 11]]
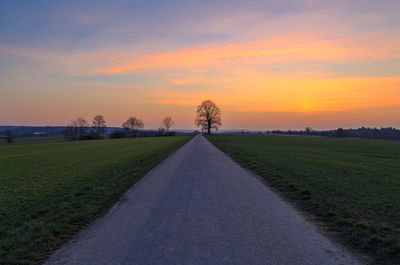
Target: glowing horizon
[[267, 65]]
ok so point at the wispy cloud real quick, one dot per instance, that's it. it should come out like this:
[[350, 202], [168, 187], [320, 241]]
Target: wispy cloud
[[288, 47]]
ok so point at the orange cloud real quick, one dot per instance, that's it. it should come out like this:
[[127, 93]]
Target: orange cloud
[[291, 47]]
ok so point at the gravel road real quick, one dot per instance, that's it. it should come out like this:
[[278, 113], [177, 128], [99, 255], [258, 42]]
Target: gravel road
[[199, 207]]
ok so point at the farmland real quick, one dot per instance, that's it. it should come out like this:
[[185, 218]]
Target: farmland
[[32, 140], [48, 191], [352, 186]]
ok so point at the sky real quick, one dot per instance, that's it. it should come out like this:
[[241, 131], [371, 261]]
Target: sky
[[266, 64]]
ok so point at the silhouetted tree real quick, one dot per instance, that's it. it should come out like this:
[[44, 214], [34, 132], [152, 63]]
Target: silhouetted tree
[[118, 134], [99, 125], [72, 131], [82, 126], [340, 132], [76, 129], [308, 130], [168, 123], [208, 116], [161, 131], [9, 136], [132, 124]]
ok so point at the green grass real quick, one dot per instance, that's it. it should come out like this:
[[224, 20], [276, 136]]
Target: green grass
[[34, 140], [48, 191], [352, 185]]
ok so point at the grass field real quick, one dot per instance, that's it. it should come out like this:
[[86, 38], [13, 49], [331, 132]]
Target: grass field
[[352, 185], [34, 140], [48, 191]]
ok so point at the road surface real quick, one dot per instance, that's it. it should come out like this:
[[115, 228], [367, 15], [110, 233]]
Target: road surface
[[199, 207]]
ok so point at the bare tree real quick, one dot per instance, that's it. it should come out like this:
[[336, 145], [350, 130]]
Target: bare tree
[[208, 116], [168, 123], [99, 124], [82, 126], [309, 130], [72, 131], [161, 131], [340, 132], [76, 129], [9, 136], [132, 124]]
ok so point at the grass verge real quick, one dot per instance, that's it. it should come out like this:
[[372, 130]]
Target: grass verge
[[49, 191], [352, 185]]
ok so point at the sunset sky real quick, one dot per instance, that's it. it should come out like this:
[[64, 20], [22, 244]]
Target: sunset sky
[[266, 64]]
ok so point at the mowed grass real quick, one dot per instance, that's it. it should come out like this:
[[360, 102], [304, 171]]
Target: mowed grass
[[351, 184], [48, 191]]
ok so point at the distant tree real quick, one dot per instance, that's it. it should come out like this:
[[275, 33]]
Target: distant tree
[[340, 132], [9, 136], [161, 131], [208, 116], [82, 126], [132, 124], [72, 131], [118, 134], [99, 125], [309, 130], [168, 123], [76, 129]]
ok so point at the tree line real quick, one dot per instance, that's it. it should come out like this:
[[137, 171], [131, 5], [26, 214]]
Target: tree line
[[208, 116], [81, 129], [388, 133]]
